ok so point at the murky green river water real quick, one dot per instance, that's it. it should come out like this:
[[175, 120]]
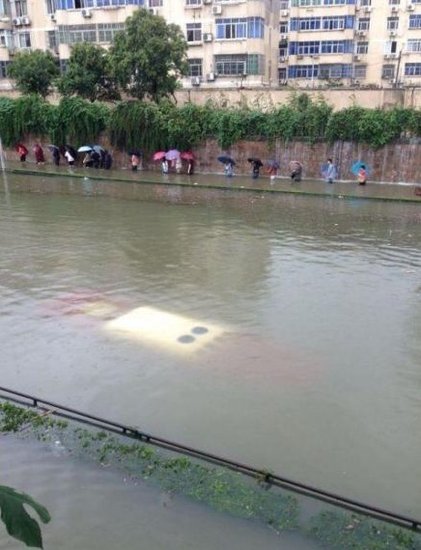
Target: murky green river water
[[311, 366]]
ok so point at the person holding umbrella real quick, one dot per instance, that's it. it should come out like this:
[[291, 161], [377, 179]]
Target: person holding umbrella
[[135, 159], [55, 152], [296, 169], [39, 154], [22, 151], [256, 165], [229, 164]]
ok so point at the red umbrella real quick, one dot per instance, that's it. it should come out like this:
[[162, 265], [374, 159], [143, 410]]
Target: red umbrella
[[187, 155], [159, 155]]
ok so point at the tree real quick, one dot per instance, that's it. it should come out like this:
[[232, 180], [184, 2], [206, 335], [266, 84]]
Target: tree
[[19, 524], [34, 72], [88, 74], [149, 56]]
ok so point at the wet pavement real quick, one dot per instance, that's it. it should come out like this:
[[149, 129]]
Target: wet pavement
[[340, 190]]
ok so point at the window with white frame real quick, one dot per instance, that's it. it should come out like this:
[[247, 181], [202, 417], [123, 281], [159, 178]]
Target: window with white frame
[[413, 45], [388, 71], [194, 32], [195, 67], [193, 3], [51, 6], [21, 8], [24, 40], [392, 23], [364, 24], [362, 48]]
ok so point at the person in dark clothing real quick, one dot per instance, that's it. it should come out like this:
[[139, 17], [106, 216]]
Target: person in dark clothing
[[56, 156], [96, 159], [108, 161], [22, 152], [39, 154], [256, 165]]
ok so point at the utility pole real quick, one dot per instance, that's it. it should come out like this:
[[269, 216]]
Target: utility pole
[[398, 68]]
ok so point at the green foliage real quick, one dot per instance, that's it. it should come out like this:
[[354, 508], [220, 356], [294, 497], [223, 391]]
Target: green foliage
[[149, 56], [343, 531], [78, 121], [155, 126], [19, 524], [34, 72], [88, 74]]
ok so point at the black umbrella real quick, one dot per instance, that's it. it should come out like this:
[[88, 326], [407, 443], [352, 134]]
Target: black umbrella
[[136, 152], [225, 159], [255, 161]]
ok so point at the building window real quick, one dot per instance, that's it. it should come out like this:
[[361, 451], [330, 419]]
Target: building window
[[79, 4], [362, 48], [237, 65], [51, 6], [195, 67], [6, 39], [24, 40], [364, 24], [360, 71], [284, 5], [4, 7], [193, 3], [392, 23], [303, 71], [107, 31], [21, 8], [388, 72], [394, 2], [415, 21], [155, 3], [239, 28], [283, 27], [391, 46], [335, 71], [282, 74], [365, 2], [412, 69], [71, 34], [52, 40], [194, 32], [413, 45]]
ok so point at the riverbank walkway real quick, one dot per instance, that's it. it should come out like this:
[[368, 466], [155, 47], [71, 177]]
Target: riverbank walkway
[[339, 190]]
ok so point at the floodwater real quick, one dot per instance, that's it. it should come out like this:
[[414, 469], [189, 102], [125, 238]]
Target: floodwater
[[99, 509], [284, 332]]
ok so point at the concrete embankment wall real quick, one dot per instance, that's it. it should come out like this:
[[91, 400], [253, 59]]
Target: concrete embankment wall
[[399, 162]]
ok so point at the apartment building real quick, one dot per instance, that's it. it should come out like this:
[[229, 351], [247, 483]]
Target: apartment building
[[351, 42], [236, 43], [231, 42]]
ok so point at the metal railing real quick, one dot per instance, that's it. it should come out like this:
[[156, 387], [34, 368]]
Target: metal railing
[[262, 475]]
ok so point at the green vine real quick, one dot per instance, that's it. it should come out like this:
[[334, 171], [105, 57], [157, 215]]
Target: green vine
[[152, 127]]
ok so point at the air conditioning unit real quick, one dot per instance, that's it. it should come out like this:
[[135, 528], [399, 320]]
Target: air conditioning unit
[[395, 9], [25, 20], [53, 17], [361, 33], [86, 13], [284, 13], [208, 37], [216, 10], [393, 33], [210, 77], [17, 21], [299, 56], [195, 81], [410, 7], [357, 58], [314, 56], [284, 36], [387, 55], [207, 1], [283, 58], [367, 9]]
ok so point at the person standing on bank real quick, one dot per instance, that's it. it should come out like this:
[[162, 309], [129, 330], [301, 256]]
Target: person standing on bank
[[362, 175], [330, 174], [22, 152], [39, 154]]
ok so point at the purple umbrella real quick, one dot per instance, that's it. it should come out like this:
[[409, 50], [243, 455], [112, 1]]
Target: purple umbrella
[[172, 154]]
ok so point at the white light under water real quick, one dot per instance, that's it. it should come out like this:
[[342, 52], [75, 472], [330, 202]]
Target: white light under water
[[175, 332]]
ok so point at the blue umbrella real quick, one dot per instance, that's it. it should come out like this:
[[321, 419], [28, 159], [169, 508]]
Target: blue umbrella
[[356, 167], [225, 159]]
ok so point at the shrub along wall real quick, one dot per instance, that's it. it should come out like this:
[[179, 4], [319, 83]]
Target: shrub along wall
[[305, 127]]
